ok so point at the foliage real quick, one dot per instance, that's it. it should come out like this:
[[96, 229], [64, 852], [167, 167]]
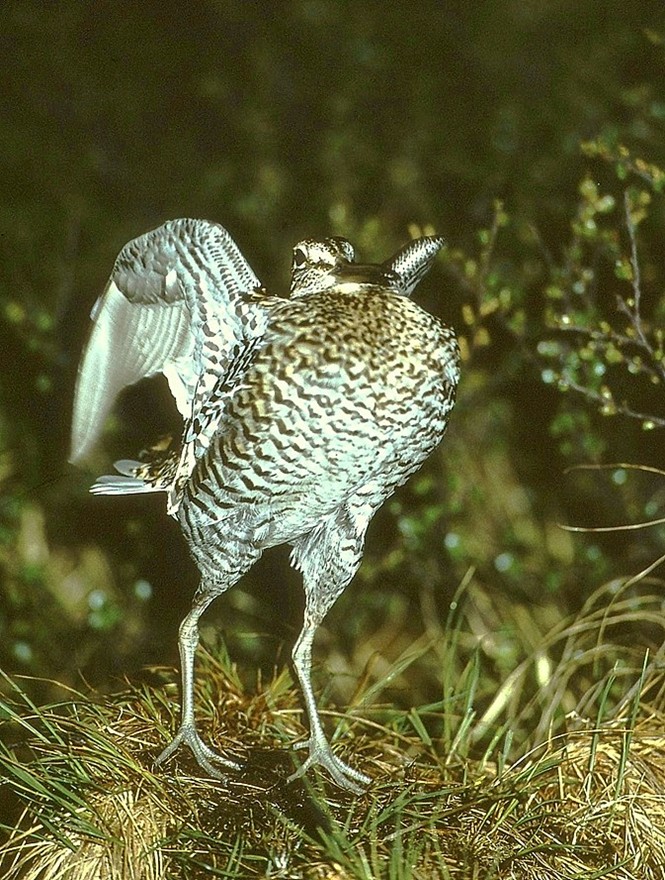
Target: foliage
[[352, 165], [86, 802], [531, 136]]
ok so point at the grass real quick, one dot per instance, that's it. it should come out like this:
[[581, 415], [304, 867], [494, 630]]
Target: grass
[[455, 794]]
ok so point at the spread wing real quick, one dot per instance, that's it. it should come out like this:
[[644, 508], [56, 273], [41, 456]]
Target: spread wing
[[175, 304], [413, 261]]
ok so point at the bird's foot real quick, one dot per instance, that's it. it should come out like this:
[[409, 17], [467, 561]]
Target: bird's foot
[[321, 753], [206, 757]]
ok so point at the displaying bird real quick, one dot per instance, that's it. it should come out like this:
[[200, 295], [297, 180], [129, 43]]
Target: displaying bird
[[301, 415]]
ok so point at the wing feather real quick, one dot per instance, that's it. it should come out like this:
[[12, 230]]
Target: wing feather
[[174, 304], [413, 261]]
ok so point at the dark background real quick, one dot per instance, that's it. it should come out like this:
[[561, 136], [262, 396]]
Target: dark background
[[285, 120]]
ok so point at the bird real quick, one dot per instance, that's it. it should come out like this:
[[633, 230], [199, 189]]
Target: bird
[[320, 264], [301, 415]]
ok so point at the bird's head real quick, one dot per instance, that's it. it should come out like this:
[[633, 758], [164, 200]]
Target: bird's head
[[317, 264]]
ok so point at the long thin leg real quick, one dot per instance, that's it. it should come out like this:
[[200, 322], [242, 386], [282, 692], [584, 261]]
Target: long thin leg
[[328, 557], [188, 641], [320, 751]]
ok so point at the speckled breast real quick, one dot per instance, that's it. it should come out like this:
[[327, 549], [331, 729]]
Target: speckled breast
[[347, 388]]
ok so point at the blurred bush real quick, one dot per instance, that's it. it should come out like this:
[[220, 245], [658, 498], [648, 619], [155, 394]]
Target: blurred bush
[[530, 135]]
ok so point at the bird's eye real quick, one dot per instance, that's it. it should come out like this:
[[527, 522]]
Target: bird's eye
[[299, 256]]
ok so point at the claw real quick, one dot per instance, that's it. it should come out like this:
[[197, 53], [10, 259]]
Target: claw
[[205, 756], [343, 775]]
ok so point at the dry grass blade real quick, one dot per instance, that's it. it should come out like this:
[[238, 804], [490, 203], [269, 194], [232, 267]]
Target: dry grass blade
[[87, 804]]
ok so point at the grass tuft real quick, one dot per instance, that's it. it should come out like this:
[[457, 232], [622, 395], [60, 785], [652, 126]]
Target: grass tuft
[[82, 800]]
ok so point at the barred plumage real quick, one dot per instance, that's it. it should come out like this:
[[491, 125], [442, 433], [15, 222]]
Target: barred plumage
[[302, 415]]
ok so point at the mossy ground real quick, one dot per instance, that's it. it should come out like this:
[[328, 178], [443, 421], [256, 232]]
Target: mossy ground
[[82, 799]]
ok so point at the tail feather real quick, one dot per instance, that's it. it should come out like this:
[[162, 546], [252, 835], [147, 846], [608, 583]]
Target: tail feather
[[127, 467], [128, 483]]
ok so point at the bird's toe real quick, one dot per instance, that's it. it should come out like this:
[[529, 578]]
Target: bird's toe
[[208, 759], [320, 753]]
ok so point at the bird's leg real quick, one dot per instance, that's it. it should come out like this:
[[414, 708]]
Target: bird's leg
[[188, 641], [328, 557], [320, 751]]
